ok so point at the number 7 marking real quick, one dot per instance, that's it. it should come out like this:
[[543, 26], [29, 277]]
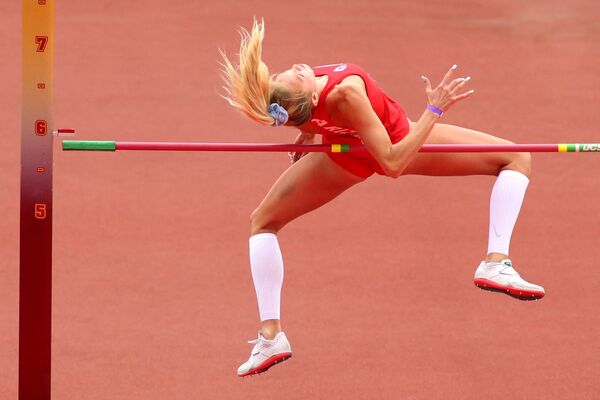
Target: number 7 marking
[[41, 41]]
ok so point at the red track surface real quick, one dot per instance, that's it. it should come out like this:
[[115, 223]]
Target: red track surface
[[153, 297]]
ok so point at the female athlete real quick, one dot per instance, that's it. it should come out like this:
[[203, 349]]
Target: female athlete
[[343, 104]]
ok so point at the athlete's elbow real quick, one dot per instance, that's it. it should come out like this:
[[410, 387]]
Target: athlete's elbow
[[393, 170], [392, 163], [395, 174]]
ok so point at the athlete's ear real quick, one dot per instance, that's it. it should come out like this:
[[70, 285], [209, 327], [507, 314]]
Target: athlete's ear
[[315, 99]]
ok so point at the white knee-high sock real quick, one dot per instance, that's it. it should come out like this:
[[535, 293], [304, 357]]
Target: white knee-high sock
[[505, 204], [266, 265]]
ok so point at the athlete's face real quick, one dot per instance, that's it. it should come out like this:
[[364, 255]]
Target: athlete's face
[[299, 79]]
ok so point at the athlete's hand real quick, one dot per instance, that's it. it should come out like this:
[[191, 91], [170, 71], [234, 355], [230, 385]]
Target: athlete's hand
[[448, 91], [302, 138]]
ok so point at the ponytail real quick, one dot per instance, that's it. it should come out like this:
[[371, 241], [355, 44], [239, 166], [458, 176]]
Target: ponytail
[[249, 88]]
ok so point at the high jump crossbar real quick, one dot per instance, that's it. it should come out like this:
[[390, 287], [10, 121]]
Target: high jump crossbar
[[95, 145]]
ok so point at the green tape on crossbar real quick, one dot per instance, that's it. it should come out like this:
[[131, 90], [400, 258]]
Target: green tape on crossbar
[[89, 145]]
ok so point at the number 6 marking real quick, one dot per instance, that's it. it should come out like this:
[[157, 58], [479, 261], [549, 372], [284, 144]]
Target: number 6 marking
[[41, 127], [41, 41], [40, 211]]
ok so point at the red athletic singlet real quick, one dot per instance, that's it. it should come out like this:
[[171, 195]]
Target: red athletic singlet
[[389, 112]]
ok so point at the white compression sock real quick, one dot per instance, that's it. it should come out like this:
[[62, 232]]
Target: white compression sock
[[505, 204], [266, 265]]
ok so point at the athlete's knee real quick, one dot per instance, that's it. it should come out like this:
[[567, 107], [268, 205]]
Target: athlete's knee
[[525, 163], [520, 162], [262, 221]]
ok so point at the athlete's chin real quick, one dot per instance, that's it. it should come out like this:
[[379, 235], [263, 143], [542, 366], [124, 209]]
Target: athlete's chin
[[308, 69]]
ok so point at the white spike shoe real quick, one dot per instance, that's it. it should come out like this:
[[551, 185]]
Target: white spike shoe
[[502, 277], [265, 354]]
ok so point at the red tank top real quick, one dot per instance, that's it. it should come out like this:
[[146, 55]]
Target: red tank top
[[389, 112]]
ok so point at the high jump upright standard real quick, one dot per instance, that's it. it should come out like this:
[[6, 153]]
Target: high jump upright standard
[[35, 276]]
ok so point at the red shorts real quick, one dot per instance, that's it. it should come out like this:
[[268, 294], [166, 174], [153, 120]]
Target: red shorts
[[360, 164]]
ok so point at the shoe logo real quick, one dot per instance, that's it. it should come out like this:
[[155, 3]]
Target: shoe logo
[[508, 263]]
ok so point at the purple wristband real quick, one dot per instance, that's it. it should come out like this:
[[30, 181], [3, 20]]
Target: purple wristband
[[435, 110]]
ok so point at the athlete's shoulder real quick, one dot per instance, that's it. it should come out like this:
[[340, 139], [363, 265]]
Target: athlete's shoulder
[[348, 99], [350, 87]]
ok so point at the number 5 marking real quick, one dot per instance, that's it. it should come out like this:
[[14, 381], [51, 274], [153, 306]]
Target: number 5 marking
[[40, 211], [41, 41]]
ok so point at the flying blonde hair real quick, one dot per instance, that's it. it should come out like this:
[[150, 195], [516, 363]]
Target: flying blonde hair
[[248, 86]]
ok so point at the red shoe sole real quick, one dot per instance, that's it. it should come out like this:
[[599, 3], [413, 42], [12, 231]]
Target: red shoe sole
[[276, 359], [516, 293]]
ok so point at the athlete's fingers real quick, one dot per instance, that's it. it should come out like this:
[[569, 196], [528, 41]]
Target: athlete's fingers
[[296, 155], [464, 95], [458, 83], [427, 83], [449, 75]]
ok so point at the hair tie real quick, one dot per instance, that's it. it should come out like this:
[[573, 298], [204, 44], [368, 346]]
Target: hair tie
[[279, 113]]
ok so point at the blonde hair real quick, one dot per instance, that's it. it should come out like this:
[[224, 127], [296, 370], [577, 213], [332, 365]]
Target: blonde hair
[[249, 88]]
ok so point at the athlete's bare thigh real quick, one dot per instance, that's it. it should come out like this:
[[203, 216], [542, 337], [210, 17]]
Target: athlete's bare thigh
[[308, 184], [457, 164]]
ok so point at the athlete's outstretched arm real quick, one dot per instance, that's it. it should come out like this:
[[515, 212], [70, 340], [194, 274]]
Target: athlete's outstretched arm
[[354, 109]]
